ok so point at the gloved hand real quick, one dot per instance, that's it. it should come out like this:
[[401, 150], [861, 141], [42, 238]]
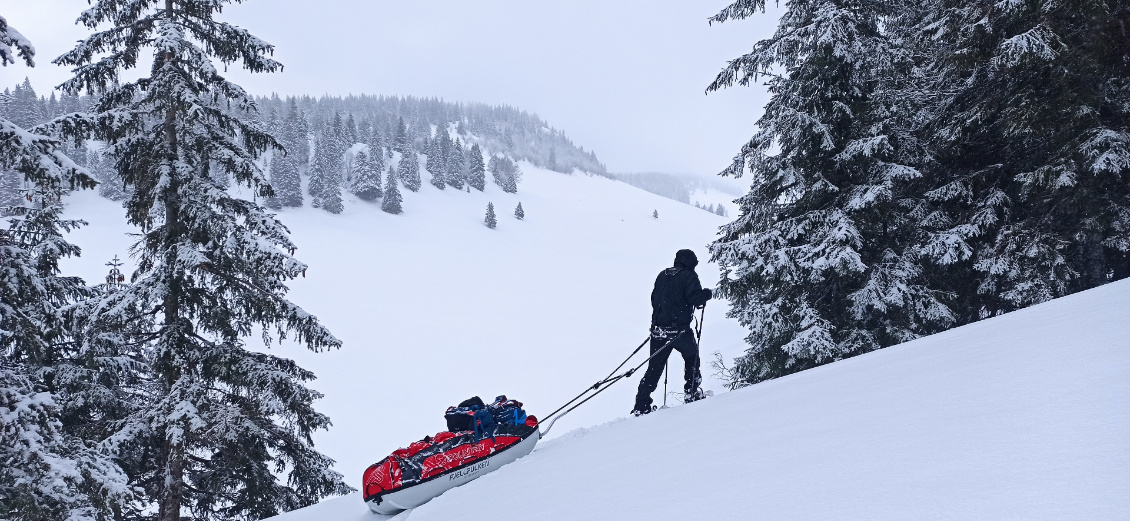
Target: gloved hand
[[709, 294]]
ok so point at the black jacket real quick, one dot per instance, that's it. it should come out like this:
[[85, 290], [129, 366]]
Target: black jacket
[[677, 292]]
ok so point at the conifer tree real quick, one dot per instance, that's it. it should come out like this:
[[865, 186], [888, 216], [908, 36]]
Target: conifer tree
[[519, 212], [823, 262], [455, 165], [47, 474], [409, 170], [285, 181], [210, 428], [490, 220], [477, 176], [392, 198], [506, 174], [366, 183], [294, 136], [1032, 132], [655, 214], [401, 143], [320, 168], [10, 196]]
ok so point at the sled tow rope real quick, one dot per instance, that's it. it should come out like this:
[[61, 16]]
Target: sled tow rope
[[607, 382]]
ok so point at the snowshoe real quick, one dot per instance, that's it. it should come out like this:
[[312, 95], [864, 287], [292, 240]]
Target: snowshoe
[[697, 395], [638, 411]]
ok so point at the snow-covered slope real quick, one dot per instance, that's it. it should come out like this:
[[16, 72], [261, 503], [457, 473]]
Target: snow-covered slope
[[433, 307], [1025, 416]]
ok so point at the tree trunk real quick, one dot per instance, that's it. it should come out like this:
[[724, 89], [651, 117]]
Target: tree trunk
[[173, 489]]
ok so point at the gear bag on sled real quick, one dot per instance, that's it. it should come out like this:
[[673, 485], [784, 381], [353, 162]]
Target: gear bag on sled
[[480, 438]]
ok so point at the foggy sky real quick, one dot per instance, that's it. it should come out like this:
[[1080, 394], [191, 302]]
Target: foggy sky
[[625, 78]]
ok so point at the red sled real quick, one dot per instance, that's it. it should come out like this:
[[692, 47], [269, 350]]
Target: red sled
[[412, 476]]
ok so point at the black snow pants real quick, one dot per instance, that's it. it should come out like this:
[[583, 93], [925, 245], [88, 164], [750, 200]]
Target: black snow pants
[[686, 346]]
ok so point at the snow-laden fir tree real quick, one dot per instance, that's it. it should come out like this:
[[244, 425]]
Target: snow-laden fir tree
[[47, 474], [476, 169], [285, 181], [392, 198], [519, 212], [409, 170], [10, 196], [320, 167], [401, 142], [823, 263], [437, 158], [110, 183], [326, 170], [1031, 183], [491, 220], [456, 165], [375, 152], [295, 134], [216, 431], [506, 174], [366, 183]]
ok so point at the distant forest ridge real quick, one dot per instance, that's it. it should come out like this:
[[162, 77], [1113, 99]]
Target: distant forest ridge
[[501, 130], [677, 186]]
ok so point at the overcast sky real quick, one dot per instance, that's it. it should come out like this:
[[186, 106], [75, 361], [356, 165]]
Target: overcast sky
[[625, 78]]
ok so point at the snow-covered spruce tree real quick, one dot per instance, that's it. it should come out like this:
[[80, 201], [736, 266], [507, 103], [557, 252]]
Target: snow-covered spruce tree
[[285, 180], [47, 474], [10, 196], [519, 212], [366, 182], [320, 167], [216, 421], [823, 261], [456, 164], [437, 158], [400, 140], [506, 174], [295, 134], [326, 170], [476, 169], [491, 220], [409, 170], [1032, 133], [392, 197], [376, 153]]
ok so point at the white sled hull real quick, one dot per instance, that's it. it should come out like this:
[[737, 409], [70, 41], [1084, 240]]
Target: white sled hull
[[415, 495]]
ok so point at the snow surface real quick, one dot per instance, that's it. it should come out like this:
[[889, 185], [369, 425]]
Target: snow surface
[[1025, 416]]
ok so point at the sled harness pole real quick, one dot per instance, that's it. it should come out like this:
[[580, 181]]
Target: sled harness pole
[[607, 382]]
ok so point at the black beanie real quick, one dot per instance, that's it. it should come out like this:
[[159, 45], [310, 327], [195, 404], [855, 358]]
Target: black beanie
[[687, 258]]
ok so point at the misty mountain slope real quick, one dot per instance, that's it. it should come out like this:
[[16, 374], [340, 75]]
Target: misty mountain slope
[[1024, 416]]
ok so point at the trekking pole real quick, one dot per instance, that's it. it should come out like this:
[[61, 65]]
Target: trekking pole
[[665, 366], [603, 385], [698, 351], [602, 381]]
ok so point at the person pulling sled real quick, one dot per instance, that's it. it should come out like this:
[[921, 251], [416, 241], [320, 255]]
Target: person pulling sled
[[676, 294]]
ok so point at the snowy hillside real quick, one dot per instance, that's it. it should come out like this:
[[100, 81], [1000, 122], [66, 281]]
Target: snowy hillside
[[433, 307], [1025, 416]]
